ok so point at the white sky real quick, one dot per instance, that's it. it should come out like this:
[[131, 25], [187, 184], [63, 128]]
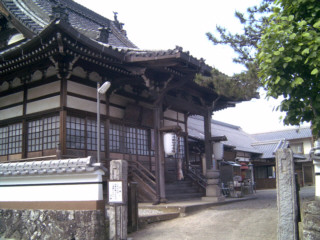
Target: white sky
[[165, 24]]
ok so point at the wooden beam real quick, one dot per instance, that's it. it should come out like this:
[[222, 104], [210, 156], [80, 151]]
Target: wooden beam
[[184, 106], [159, 156]]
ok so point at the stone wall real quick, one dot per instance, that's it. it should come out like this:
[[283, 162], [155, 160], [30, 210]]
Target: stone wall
[[311, 220], [52, 224]]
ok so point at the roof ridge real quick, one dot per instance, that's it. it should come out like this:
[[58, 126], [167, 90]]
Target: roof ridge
[[283, 130]]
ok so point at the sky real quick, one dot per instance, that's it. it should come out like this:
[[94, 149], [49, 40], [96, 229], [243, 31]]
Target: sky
[[165, 24]]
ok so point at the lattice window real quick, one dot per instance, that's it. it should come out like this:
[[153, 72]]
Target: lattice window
[[4, 133], [114, 137], [43, 133], [124, 139], [51, 128], [11, 139], [130, 140], [82, 134], [92, 135], [35, 135], [142, 141], [75, 132]]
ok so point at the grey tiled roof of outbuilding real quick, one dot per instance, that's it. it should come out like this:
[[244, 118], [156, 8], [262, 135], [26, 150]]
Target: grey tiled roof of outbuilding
[[290, 134], [236, 137]]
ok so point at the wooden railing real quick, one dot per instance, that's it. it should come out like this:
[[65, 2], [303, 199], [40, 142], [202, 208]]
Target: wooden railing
[[145, 178], [196, 175]]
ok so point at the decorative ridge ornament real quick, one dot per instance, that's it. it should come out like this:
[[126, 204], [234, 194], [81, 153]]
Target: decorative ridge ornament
[[59, 11]]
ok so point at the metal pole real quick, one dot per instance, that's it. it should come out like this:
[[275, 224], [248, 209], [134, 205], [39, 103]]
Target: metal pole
[[98, 123]]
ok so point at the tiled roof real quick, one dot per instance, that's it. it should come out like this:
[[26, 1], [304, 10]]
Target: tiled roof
[[48, 167], [269, 148], [35, 16], [236, 137], [290, 134]]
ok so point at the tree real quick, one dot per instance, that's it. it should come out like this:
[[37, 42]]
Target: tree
[[289, 60], [246, 44], [241, 86]]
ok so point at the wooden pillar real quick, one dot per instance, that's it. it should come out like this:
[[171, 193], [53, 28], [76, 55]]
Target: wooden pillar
[[207, 138], [159, 155], [24, 123], [213, 192], [63, 117], [186, 143]]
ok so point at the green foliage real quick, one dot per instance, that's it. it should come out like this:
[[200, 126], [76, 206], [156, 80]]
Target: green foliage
[[289, 60], [242, 86], [239, 87], [245, 44]]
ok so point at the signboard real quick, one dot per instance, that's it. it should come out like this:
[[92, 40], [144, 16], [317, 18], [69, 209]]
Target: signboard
[[115, 192]]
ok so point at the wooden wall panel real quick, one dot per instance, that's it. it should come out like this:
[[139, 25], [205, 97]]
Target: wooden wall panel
[[116, 112], [173, 123], [118, 100], [174, 115]]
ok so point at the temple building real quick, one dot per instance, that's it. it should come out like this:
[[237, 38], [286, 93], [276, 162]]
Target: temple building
[[53, 57]]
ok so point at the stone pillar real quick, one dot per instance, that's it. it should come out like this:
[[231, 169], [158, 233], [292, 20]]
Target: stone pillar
[[213, 191], [315, 156], [118, 213], [311, 210], [286, 196], [311, 220]]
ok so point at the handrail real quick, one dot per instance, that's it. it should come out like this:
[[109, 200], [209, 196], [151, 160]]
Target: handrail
[[197, 176], [143, 173]]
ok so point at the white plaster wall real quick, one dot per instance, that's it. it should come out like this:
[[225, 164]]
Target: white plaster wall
[[307, 145], [11, 99], [44, 90], [44, 104], [83, 90], [11, 112], [85, 105], [81, 192]]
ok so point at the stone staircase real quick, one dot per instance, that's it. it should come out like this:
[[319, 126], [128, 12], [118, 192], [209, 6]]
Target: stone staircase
[[182, 190]]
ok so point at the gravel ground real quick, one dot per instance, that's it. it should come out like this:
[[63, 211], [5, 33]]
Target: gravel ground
[[247, 220]]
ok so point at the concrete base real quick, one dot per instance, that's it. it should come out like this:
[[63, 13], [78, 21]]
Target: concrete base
[[213, 199]]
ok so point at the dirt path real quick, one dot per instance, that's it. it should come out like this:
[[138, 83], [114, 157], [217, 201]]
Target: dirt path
[[248, 220]]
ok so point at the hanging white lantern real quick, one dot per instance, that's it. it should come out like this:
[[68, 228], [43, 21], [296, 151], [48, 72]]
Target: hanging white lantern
[[218, 150], [170, 143]]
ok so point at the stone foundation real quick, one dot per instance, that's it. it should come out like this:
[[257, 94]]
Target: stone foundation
[[52, 224], [311, 220]]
